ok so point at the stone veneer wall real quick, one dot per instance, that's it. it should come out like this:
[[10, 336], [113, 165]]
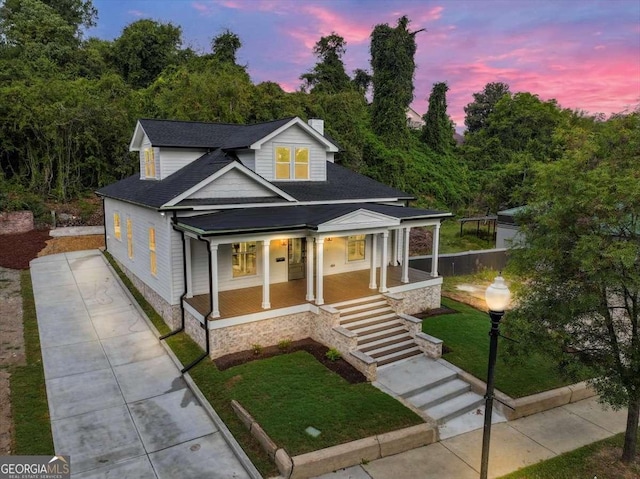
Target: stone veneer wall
[[170, 313], [193, 327], [266, 332], [15, 222], [416, 300]]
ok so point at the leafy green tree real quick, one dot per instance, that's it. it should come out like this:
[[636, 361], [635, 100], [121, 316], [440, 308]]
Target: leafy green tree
[[580, 257], [393, 64], [518, 134], [361, 80], [225, 46], [144, 49], [478, 111], [328, 76], [437, 131]]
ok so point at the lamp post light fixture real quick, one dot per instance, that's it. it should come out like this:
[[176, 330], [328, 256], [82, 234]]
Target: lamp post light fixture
[[497, 297]]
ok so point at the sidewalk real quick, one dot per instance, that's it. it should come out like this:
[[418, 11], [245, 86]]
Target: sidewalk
[[118, 404], [514, 445]]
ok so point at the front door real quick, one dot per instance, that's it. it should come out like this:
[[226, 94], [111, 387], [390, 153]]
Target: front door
[[297, 257]]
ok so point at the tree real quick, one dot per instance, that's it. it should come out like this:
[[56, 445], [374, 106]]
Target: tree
[[144, 49], [393, 64], [361, 80], [225, 47], [478, 111], [581, 260], [328, 75], [437, 131]]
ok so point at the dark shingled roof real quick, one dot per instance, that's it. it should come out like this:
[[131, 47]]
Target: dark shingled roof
[[341, 184], [195, 134], [276, 218], [155, 193]]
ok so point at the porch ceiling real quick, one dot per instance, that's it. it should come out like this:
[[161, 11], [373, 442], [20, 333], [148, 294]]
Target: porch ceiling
[[337, 288]]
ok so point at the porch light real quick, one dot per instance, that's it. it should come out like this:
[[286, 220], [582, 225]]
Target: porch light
[[329, 238], [497, 297], [283, 242]]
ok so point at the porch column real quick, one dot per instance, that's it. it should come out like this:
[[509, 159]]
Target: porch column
[[434, 250], [309, 296], [213, 281], [319, 272], [187, 259], [405, 255], [384, 262], [372, 269], [265, 274], [395, 248]]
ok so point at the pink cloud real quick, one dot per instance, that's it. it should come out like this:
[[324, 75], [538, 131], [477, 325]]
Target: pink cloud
[[329, 21]]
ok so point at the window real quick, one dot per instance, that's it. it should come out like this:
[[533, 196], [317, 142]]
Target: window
[[129, 238], [356, 247], [149, 163], [243, 259], [292, 168], [152, 251], [116, 226]]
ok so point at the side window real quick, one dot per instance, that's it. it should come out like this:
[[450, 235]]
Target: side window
[[149, 163], [356, 247], [243, 259], [116, 226], [130, 238], [302, 164], [152, 251]]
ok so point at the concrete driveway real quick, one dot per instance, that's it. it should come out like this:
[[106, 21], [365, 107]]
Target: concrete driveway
[[118, 404]]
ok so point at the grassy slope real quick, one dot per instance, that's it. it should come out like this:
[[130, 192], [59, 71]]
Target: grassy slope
[[452, 242], [466, 334], [285, 395], [32, 434]]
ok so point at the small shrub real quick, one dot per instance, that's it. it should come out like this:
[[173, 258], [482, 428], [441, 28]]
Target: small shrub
[[284, 345], [257, 349], [333, 354]]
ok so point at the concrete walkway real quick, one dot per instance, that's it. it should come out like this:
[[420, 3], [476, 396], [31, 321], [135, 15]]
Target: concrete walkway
[[77, 231], [514, 445], [118, 404]]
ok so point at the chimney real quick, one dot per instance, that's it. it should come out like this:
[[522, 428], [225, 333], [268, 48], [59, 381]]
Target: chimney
[[317, 124]]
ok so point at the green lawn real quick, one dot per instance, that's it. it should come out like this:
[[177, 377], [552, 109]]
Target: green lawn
[[452, 242], [286, 394], [466, 334], [598, 460], [32, 435]]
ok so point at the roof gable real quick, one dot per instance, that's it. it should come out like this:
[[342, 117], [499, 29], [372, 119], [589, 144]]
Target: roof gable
[[207, 184], [361, 218], [305, 127]]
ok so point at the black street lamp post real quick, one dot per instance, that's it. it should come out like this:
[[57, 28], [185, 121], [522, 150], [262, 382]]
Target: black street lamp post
[[497, 297]]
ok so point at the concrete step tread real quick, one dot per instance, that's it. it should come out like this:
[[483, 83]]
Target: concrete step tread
[[397, 356], [370, 337], [363, 307], [392, 348], [347, 318], [375, 326], [439, 394], [376, 318], [356, 301], [454, 407], [402, 335]]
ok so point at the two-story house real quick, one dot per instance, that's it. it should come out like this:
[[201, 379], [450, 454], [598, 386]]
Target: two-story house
[[251, 234]]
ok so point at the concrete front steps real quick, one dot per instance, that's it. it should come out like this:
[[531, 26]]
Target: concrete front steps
[[381, 333]]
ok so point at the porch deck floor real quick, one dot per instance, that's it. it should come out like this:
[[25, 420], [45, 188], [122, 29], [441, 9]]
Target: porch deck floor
[[337, 288]]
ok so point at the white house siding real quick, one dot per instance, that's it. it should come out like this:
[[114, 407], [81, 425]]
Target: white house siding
[[142, 219], [335, 256], [294, 136], [247, 158], [233, 184], [173, 159]]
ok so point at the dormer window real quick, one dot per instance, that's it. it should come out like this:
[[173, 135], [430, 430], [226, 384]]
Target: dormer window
[[292, 163], [149, 163]]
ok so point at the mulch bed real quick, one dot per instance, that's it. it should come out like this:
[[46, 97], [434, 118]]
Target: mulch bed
[[434, 312], [16, 250], [317, 350]]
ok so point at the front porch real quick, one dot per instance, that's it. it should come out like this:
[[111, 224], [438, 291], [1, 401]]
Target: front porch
[[337, 288]]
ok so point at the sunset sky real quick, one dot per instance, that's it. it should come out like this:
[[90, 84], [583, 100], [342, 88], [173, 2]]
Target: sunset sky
[[583, 53]]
